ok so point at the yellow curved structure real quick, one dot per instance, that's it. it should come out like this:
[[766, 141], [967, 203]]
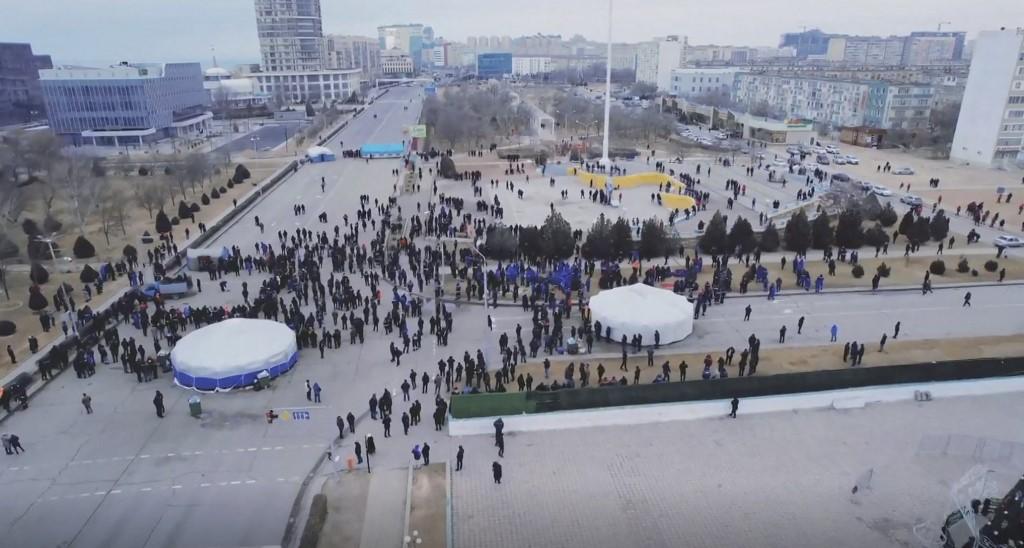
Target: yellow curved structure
[[671, 200]]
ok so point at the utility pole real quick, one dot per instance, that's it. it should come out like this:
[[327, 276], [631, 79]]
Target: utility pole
[[605, 161], [939, 28]]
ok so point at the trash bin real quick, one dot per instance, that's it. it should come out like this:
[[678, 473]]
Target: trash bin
[[195, 407], [264, 378]]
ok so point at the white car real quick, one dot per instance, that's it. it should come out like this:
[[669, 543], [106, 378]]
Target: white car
[[839, 160], [879, 190], [903, 171], [1006, 240], [780, 162], [819, 150], [832, 149], [911, 200], [852, 160]]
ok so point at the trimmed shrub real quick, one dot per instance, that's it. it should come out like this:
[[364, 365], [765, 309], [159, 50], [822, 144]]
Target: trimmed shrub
[[230, 184], [51, 224], [194, 208], [241, 173], [40, 251], [7, 328], [991, 265], [83, 248], [883, 270], [36, 300], [38, 274], [184, 211], [168, 170], [143, 171], [888, 216], [963, 267], [223, 190], [204, 199], [130, 252], [175, 221], [215, 194], [163, 224], [858, 271], [938, 267], [876, 236], [30, 228], [974, 272], [88, 275], [146, 237]]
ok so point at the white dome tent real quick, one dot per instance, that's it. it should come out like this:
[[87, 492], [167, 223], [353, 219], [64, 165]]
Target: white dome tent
[[230, 354], [640, 309]]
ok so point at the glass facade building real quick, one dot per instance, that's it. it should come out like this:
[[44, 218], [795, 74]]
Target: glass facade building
[[493, 65]]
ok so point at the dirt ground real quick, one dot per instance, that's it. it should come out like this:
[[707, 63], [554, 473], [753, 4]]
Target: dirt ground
[[789, 360], [16, 308], [427, 509]]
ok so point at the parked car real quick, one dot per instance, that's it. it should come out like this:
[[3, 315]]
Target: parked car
[[168, 287], [911, 200], [903, 171], [852, 160], [780, 162], [1005, 240], [823, 159], [832, 149], [839, 161], [819, 150], [793, 149], [881, 190], [866, 186], [841, 177]]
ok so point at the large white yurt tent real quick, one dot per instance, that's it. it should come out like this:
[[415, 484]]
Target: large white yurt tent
[[642, 309], [230, 354]]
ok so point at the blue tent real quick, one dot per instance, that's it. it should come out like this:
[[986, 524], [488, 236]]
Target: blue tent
[[320, 154], [384, 150]]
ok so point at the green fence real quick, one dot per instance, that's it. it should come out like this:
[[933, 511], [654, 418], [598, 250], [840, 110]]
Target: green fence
[[515, 403]]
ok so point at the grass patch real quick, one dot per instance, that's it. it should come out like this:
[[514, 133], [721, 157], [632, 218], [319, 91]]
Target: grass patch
[[468, 406]]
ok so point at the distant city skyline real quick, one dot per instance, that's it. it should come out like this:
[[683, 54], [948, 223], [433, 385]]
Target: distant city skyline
[[107, 31]]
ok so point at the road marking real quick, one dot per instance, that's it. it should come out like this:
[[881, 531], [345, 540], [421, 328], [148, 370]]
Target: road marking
[[175, 487], [146, 489], [115, 492], [250, 481], [143, 456], [100, 493], [235, 482], [170, 454], [204, 485]]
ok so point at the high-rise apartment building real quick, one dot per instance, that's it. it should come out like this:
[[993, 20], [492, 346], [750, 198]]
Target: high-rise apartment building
[[866, 50], [291, 35], [20, 96], [990, 129], [930, 48], [407, 39], [347, 52], [655, 61]]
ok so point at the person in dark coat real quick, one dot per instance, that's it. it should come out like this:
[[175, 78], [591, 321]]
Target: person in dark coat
[[158, 402], [405, 423], [351, 422], [426, 454], [371, 447], [359, 453], [496, 470], [341, 427], [735, 405], [458, 458]]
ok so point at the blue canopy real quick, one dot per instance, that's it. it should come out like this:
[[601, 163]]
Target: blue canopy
[[382, 150]]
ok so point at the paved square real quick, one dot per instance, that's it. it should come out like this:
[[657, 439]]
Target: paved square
[[775, 480]]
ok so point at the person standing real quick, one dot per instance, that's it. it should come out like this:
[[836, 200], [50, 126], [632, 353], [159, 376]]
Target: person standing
[[359, 453], [426, 454], [735, 405], [458, 458], [351, 422], [387, 425], [782, 335], [373, 407], [158, 402], [405, 423], [15, 442], [896, 331], [835, 332], [881, 344], [316, 392], [496, 471], [309, 391], [340, 422], [800, 325], [10, 353], [501, 446], [87, 403], [746, 313]]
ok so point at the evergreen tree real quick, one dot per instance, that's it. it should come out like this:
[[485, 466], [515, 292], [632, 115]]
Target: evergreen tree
[[653, 239], [741, 237], [769, 239], [849, 233], [821, 232], [798, 232], [715, 239]]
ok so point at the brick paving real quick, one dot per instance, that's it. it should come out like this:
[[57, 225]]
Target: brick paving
[[778, 480]]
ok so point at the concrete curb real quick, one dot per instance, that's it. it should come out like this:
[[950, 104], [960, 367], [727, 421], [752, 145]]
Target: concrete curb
[[408, 501]]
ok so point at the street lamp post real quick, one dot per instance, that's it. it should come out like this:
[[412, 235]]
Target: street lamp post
[[607, 90], [367, 454], [254, 139]]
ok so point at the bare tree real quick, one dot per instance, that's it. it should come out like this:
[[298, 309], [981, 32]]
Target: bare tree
[[196, 167], [79, 186], [151, 195], [26, 159]]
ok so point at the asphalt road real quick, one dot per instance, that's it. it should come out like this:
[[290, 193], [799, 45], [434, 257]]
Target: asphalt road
[[266, 137]]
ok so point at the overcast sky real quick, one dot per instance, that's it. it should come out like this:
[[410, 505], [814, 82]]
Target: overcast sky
[[106, 31]]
